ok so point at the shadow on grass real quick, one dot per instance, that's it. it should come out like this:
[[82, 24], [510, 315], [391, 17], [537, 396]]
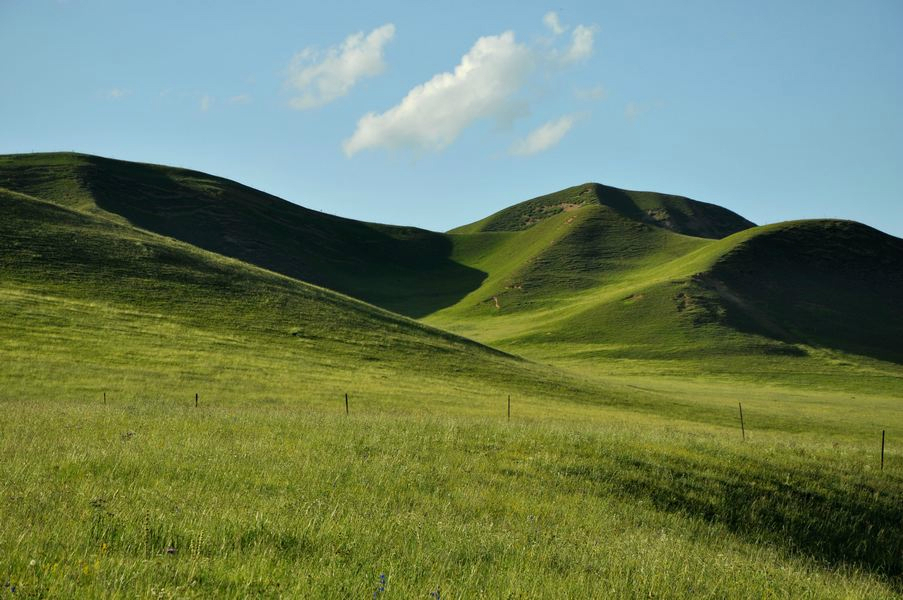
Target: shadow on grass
[[841, 521], [403, 269], [834, 284]]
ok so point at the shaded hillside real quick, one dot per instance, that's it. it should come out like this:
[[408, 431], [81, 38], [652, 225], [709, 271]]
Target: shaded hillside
[[834, 284], [49, 249], [404, 269]]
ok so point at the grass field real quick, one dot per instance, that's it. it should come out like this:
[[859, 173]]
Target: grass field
[[287, 496], [622, 472]]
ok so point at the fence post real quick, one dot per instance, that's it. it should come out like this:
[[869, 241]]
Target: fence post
[[882, 449], [195, 400], [509, 407], [742, 428], [346, 403]]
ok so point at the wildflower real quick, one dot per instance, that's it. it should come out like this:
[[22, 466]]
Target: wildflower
[[381, 587]]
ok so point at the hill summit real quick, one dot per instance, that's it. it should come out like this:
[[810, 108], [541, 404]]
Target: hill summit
[[675, 213]]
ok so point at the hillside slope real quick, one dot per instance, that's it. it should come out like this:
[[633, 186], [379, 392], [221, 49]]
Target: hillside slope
[[773, 290], [403, 269], [87, 303], [591, 271], [828, 283], [675, 213]]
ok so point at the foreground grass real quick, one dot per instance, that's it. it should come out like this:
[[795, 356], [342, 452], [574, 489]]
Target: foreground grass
[[295, 499]]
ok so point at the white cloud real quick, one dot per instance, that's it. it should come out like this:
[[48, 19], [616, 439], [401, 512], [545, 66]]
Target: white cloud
[[581, 44], [117, 93], [206, 101], [597, 92], [240, 99], [552, 22], [321, 77], [434, 113], [544, 137]]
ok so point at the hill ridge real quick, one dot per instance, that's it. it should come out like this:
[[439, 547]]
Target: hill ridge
[[669, 211], [592, 264]]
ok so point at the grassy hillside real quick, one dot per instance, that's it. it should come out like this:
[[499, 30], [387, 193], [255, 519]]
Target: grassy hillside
[[591, 271], [831, 284], [561, 257], [629, 485], [404, 269], [675, 213], [585, 283], [132, 308]]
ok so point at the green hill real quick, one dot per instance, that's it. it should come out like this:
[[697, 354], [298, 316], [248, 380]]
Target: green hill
[[630, 291], [131, 312], [624, 474], [675, 213], [583, 274], [824, 283], [403, 269]]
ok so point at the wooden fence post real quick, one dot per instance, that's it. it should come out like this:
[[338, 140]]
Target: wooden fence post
[[742, 428]]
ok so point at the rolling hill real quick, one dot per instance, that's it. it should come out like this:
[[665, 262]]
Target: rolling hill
[[403, 269], [588, 273], [675, 213], [584, 272], [126, 289], [131, 312]]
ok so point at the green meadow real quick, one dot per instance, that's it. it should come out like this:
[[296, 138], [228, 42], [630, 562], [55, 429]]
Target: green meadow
[[625, 335]]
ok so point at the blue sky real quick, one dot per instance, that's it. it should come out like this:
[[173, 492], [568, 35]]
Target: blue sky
[[405, 113]]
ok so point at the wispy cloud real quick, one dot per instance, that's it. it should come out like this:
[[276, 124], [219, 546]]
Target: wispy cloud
[[581, 47], [323, 76], [581, 43], [551, 21], [240, 99], [206, 102], [544, 137], [634, 110], [117, 93], [433, 114], [597, 92]]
